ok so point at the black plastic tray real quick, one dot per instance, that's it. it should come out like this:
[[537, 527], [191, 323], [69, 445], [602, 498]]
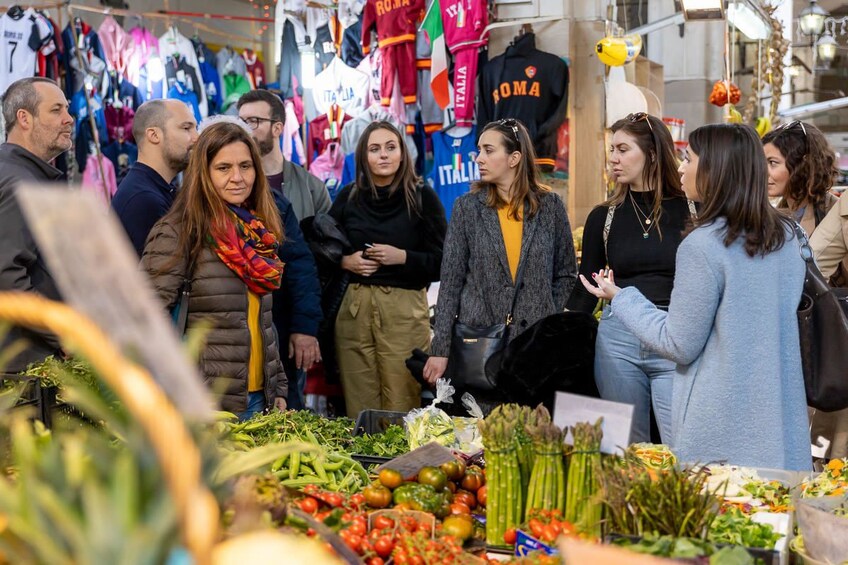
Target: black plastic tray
[[376, 421]]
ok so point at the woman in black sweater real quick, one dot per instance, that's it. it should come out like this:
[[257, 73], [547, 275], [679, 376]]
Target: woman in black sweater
[[643, 221], [397, 226]]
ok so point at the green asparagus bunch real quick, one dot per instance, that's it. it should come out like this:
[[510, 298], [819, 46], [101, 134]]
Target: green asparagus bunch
[[581, 508], [547, 482], [505, 505]]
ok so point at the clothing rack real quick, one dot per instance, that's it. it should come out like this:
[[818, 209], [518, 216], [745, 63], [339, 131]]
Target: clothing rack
[[54, 6], [178, 16], [525, 21]]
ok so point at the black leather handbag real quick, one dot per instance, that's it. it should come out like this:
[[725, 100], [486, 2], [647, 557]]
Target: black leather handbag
[[823, 329], [472, 347]]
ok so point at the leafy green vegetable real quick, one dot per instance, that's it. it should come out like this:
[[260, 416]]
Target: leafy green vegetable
[[690, 549], [735, 528], [430, 424], [390, 443]]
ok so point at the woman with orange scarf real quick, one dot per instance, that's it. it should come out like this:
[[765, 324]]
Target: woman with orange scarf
[[222, 235]]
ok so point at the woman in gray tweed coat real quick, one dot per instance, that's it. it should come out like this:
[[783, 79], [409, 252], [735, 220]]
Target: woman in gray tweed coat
[[508, 219]]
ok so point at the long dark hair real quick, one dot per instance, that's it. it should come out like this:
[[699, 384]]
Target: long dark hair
[[526, 188], [198, 205], [405, 178], [660, 171], [732, 181], [809, 159]]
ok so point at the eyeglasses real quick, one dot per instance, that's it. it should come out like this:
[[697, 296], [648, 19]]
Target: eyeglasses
[[254, 122], [511, 124], [638, 116]]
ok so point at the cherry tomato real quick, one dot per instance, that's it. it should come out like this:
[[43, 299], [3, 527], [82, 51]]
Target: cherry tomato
[[357, 499], [357, 527], [536, 528], [365, 547], [549, 534], [510, 536], [383, 523], [308, 505], [416, 560], [334, 499], [353, 541], [384, 546], [375, 561], [482, 495]]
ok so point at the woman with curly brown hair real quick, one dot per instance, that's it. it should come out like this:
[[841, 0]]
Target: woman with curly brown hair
[[802, 169]]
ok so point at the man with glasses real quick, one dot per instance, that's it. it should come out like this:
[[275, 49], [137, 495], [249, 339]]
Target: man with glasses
[[165, 131], [299, 195], [264, 113]]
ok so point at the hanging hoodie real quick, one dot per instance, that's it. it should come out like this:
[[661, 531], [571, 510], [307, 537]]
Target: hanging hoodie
[[177, 63], [118, 45], [228, 61], [292, 39], [179, 91], [146, 70], [91, 48], [528, 85], [83, 137], [173, 43], [328, 168], [255, 69], [103, 186]]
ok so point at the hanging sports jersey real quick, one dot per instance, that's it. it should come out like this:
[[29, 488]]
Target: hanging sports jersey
[[21, 40], [342, 85], [454, 166], [529, 85]]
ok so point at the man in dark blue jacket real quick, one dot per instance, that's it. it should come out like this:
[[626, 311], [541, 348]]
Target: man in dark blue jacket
[[297, 304]]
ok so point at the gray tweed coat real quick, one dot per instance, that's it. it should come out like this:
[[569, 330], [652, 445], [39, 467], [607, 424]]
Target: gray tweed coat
[[476, 286]]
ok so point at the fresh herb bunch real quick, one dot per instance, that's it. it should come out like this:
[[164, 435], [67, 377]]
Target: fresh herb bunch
[[390, 443], [642, 501], [732, 527]]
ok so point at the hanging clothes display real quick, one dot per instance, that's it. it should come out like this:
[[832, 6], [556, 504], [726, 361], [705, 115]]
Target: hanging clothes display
[[464, 23], [51, 53], [432, 115], [146, 70], [122, 154], [228, 61], [372, 67], [342, 85], [103, 186], [396, 28], [83, 137], [23, 34], [292, 40], [324, 47], [528, 85], [255, 69], [178, 69], [375, 113], [328, 167], [325, 129], [292, 144], [233, 85], [179, 91], [351, 49], [118, 45], [454, 166], [175, 45], [93, 56], [212, 85]]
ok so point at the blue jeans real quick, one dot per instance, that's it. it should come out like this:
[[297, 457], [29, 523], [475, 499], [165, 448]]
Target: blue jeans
[[626, 371], [297, 384], [255, 405]]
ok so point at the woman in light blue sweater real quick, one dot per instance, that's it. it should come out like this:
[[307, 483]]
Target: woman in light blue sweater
[[731, 326]]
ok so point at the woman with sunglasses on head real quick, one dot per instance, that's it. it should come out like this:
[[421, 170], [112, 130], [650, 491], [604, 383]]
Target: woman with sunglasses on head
[[222, 234], [507, 222], [731, 326], [802, 170], [636, 233], [396, 225]]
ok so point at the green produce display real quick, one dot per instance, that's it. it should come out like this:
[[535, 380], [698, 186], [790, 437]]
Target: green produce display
[[333, 434], [423, 498], [390, 443], [505, 506], [335, 472], [732, 527], [546, 490], [689, 549], [580, 507]]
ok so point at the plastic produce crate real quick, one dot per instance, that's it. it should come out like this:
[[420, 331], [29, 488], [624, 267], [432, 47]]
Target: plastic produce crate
[[376, 421]]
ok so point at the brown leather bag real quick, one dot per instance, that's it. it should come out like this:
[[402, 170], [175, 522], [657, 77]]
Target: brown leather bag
[[823, 329]]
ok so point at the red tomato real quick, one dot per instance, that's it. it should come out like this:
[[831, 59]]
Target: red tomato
[[416, 560], [466, 498], [383, 522], [549, 534], [510, 536], [308, 505], [353, 541], [536, 528], [482, 495], [365, 547], [375, 561], [384, 546], [459, 508], [357, 499], [358, 527]]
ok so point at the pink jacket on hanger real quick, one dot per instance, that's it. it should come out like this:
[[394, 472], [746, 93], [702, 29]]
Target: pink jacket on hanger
[[92, 181], [328, 167], [118, 45]]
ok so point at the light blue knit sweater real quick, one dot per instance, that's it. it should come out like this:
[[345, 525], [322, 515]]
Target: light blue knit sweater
[[732, 329]]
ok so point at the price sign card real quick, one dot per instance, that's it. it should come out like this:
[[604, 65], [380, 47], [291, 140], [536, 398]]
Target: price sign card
[[569, 409]]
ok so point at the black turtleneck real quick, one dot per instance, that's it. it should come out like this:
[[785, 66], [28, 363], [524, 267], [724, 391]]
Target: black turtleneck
[[385, 219], [646, 263]]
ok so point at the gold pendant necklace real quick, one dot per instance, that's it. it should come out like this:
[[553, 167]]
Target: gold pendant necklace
[[641, 217]]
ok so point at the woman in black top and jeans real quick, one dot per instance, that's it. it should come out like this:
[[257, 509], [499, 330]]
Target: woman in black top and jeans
[[397, 226], [645, 215]]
